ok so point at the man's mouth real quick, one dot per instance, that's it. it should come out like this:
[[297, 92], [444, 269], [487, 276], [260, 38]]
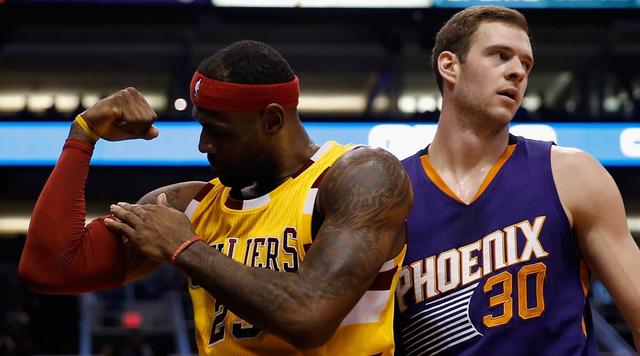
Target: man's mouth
[[509, 93]]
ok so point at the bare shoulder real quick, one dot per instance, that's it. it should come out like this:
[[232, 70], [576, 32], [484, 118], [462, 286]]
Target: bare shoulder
[[362, 161], [574, 158], [583, 184], [368, 169], [178, 195], [571, 165], [366, 181]]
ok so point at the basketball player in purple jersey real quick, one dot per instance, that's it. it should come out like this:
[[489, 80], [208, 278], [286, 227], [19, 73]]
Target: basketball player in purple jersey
[[505, 231]]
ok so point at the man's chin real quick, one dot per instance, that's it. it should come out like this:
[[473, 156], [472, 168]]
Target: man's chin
[[503, 115], [233, 182]]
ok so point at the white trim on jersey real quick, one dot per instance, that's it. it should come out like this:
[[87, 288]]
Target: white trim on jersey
[[369, 308], [444, 324], [310, 201], [321, 151], [372, 303], [388, 266], [256, 202], [191, 208]]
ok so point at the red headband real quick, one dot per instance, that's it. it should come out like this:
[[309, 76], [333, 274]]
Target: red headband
[[211, 94]]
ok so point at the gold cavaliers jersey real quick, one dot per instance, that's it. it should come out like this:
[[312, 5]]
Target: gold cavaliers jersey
[[274, 231]]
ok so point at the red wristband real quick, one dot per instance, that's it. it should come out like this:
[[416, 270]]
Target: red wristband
[[183, 246]]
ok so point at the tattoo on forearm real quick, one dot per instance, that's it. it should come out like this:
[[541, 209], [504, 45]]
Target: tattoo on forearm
[[365, 197]]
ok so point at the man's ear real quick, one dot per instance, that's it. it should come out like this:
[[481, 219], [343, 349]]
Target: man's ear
[[272, 118], [449, 67]]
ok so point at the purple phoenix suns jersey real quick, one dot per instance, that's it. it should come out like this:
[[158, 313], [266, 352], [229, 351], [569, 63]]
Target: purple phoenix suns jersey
[[498, 276]]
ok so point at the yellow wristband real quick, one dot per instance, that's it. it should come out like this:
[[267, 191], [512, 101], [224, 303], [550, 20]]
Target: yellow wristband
[[86, 129]]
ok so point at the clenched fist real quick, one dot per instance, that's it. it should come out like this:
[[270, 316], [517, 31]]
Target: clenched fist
[[121, 116]]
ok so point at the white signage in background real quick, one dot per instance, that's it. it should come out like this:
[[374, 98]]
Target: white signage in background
[[404, 140], [535, 132], [630, 142], [400, 139], [366, 3], [325, 3]]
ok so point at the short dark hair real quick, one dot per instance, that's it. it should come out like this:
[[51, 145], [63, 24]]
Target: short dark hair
[[455, 35], [247, 62]]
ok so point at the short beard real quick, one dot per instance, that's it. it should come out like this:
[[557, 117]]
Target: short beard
[[474, 114]]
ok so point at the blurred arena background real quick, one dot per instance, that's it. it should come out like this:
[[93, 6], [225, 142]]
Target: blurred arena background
[[365, 78]]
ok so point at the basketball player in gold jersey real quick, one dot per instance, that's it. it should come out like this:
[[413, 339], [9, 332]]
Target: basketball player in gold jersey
[[293, 249]]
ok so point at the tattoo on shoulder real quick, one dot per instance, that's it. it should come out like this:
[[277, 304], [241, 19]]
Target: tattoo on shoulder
[[366, 186], [173, 195], [178, 195], [366, 197]]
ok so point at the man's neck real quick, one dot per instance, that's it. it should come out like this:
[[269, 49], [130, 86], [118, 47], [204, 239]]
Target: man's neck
[[292, 157], [462, 154], [463, 141]]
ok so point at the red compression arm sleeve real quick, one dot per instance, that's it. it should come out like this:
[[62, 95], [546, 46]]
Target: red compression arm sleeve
[[61, 255]]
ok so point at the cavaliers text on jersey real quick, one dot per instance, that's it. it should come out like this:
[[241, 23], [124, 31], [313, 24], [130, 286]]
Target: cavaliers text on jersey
[[274, 231]]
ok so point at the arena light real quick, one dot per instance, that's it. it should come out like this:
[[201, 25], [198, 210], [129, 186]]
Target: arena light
[[157, 101], [180, 104], [347, 103], [14, 224], [408, 104], [19, 224], [66, 103], [381, 103], [39, 102], [427, 103], [634, 223], [10, 102], [89, 99], [611, 103], [532, 102]]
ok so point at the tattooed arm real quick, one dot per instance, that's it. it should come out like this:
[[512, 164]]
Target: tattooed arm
[[365, 199]]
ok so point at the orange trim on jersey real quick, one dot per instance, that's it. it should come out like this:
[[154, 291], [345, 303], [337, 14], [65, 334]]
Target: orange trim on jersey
[[494, 170], [585, 281], [435, 178], [442, 185], [584, 277]]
